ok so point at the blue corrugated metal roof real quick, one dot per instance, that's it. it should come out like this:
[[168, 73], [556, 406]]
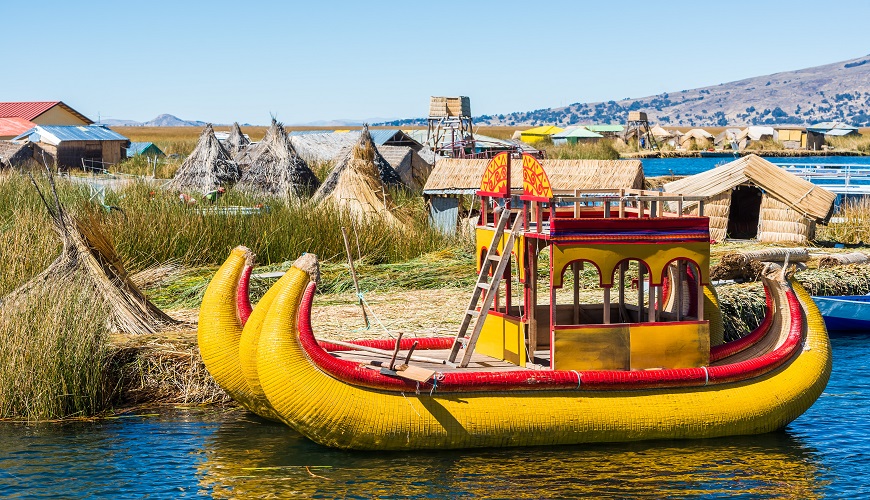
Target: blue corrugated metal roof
[[380, 137], [309, 132], [828, 127], [579, 132], [73, 133]]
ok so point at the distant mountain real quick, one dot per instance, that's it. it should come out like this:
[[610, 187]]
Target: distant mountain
[[343, 122], [167, 120], [164, 120], [833, 92]]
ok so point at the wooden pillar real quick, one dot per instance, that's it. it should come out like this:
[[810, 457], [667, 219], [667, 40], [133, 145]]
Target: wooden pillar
[[701, 296], [575, 268], [657, 306], [532, 303], [607, 305], [678, 289], [621, 292], [640, 273], [622, 203]]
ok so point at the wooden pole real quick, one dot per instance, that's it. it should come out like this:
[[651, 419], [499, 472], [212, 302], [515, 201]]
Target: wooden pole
[[374, 350], [353, 275]]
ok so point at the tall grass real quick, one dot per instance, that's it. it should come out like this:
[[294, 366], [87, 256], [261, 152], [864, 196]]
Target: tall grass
[[852, 223], [599, 150], [851, 143]]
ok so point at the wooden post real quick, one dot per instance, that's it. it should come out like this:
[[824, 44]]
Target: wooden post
[[607, 208], [640, 273], [701, 297], [353, 275], [532, 303], [622, 203], [606, 305], [658, 305], [575, 267], [678, 289]]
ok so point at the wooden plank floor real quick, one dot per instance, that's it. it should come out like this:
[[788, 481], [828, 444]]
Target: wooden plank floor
[[479, 362]]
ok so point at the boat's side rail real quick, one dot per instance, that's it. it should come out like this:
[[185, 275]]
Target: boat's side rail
[[357, 374]]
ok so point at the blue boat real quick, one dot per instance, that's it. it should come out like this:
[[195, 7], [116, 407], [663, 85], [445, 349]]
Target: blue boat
[[845, 312]]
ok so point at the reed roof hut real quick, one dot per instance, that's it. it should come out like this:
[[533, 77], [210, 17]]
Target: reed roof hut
[[753, 198], [208, 167], [696, 137], [412, 168], [237, 141], [355, 185], [277, 170]]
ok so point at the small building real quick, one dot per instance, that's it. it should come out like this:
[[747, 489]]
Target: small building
[[697, 138], [751, 198], [536, 134], [75, 147], [754, 133], [818, 133], [453, 178], [13, 127], [574, 135], [44, 113], [144, 149], [791, 137], [607, 130], [727, 137], [14, 154]]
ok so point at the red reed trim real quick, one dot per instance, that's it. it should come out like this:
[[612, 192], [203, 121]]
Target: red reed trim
[[243, 299]]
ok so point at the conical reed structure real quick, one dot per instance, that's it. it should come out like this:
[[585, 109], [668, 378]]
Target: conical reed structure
[[277, 170], [208, 167], [237, 141], [355, 186]]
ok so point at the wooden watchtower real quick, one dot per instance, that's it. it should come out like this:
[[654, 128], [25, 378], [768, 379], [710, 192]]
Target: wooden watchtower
[[450, 124], [637, 127]]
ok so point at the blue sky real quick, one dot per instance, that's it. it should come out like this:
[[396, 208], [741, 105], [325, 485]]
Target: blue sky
[[242, 61]]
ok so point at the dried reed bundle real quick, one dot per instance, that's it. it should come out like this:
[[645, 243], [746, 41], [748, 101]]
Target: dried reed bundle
[[841, 259], [277, 170], [747, 266], [87, 249], [355, 186], [778, 223], [208, 167]]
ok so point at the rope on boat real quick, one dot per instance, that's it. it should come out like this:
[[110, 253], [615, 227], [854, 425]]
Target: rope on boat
[[578, 378], [374, 314]]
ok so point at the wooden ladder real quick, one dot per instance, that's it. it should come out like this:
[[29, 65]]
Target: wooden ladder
[[497, 264]]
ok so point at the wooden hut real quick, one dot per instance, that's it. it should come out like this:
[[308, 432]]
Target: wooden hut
[[753, 198], [207, 168], [78, 146], [452, 178], [356, 186], [277, 170]]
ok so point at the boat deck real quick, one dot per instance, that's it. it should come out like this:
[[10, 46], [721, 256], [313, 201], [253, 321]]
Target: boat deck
[[479, 362]]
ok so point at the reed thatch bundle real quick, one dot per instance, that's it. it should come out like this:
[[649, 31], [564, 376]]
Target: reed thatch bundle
[[277, 170], [237, 141], [208, 167], [747, 266], [88, 252], [841, 259], [778, 223], [355, 185]]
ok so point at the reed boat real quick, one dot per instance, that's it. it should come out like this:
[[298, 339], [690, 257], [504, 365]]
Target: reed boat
[[644, 361]]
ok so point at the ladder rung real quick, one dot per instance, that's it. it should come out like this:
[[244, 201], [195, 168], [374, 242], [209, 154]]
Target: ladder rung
[[474, 313], [485, 286], [496, 257]]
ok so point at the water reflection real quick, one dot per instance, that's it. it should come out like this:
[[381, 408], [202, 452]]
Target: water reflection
[[257, 458]]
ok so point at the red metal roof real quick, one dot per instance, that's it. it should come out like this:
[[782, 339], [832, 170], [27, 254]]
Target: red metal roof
[[14, 126], [30, 110]]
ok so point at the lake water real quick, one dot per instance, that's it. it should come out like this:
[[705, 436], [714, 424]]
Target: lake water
[[185, 453]]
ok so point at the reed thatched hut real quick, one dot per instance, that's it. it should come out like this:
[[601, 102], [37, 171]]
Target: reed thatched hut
[[355, 185], [412, 168], [277, 170], [14, 154], [751, 198], [453, 178], [237, 141], [207, 168], [696, 138]]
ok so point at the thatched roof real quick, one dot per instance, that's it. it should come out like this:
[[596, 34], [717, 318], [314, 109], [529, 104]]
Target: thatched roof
[[452, 175], [208, 166], [277, 170], [806, 198], [237, 141], [660, 132], [696, 134], [325, 147], [13, 154], [412, 168], [355, 185]]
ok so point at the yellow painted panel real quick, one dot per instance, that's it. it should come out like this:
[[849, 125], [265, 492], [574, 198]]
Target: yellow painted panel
[[803, 140], [58, 116], [502, 338], [483, 238], [600, 347], [684, 344], [656, 256]]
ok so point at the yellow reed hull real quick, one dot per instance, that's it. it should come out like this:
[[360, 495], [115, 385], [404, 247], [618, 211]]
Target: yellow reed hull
[[334, 413]]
